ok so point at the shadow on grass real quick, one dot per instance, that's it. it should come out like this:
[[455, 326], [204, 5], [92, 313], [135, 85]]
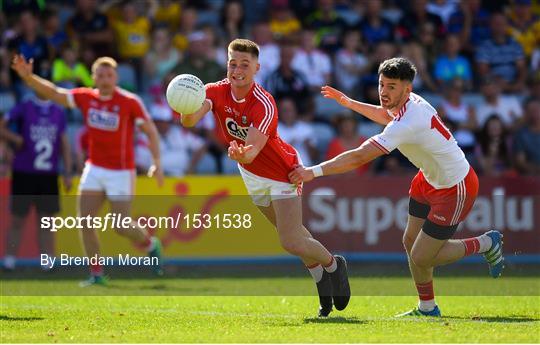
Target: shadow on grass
[[337, 319], [501, 319], [28, 318]]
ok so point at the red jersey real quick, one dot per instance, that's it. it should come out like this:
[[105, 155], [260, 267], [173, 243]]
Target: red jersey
[[258, 109], [111, 124]]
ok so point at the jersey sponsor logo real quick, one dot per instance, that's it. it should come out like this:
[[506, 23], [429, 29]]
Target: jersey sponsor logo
[[235, 130], [103, 119]]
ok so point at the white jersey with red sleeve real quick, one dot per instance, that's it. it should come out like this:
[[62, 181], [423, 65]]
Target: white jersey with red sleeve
[[111, 124], [418, 133], [258, 109]]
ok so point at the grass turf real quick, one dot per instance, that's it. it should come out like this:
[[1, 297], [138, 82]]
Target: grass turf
[[258, 319]]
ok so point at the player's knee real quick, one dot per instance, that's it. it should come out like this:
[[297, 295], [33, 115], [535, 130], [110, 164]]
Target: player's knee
[[408, 243], [420, 259]]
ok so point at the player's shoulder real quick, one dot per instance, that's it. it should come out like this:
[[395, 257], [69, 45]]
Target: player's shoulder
[[123, 93], [128, 96], [262, 96], [416, 110], [221, 84]]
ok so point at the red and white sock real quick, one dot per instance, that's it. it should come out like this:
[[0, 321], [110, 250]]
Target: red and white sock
[[479, 244], [96, 270], [316, 272], [331, 266], [148, 244], [426, 296]]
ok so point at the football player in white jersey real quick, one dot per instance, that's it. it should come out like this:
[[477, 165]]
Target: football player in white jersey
[[441, 194]]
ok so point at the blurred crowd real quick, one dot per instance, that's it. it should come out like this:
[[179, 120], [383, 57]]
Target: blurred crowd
[[478, 62]]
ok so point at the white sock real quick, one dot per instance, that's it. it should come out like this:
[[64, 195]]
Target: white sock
[[316, 272], [332, 267], [485, 243], [9, 262], [426, 305], [152, 244]]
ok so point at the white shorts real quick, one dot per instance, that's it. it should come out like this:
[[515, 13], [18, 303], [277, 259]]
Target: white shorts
[[264, 190], [118, 185]]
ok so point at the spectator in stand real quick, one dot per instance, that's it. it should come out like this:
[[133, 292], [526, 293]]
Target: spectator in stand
[[502, 57], [312, 62], [410, 25], [451, 65], [180, 149], [350, 63], [347, 139], [507, 107], [327, 25], [534, 85], [443, 9], [283, 22], [132, 34], [54, 33], [492, 151], [535, 60], [285, 81], [268, 50], [69, 72], [422, 53], [374, 27], [459, 117], [188, 23], [161, 58], [196, 60], [6, 158], [216, 50], [382, 51], [527, 140], [471, 23], [90, 28], [232, 20], [32, 45], [298, 133], [165, 12], [524, 25]]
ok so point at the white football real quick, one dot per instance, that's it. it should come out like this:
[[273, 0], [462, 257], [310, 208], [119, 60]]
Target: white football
[[186, 93]]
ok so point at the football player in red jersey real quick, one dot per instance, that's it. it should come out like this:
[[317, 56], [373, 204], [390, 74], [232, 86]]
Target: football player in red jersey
[[247, 115], [110, 114]]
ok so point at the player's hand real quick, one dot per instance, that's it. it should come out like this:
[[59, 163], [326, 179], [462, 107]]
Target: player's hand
[[301, 174], [336, 95], [68, 183], [156, 171], [238, 152], [22, 67]]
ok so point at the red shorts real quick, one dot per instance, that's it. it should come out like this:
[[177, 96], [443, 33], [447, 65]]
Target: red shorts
[[447, 206]]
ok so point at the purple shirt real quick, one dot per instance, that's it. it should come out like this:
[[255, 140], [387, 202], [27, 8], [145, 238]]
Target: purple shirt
[[41, 124]]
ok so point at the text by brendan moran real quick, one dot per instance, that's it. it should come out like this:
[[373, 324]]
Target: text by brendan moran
[[119, 260]]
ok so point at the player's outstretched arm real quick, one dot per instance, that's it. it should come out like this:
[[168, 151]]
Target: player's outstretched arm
[[373, 112], [347, 161], [42, 86], [246, 154], [190, 120], [149, 128]]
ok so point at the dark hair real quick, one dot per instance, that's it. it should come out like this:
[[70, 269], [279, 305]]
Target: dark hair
[[398, 68], [485, 140], [244, 46]]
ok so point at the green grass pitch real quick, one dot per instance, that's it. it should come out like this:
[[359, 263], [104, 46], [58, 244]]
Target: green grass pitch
[[196, 310]]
